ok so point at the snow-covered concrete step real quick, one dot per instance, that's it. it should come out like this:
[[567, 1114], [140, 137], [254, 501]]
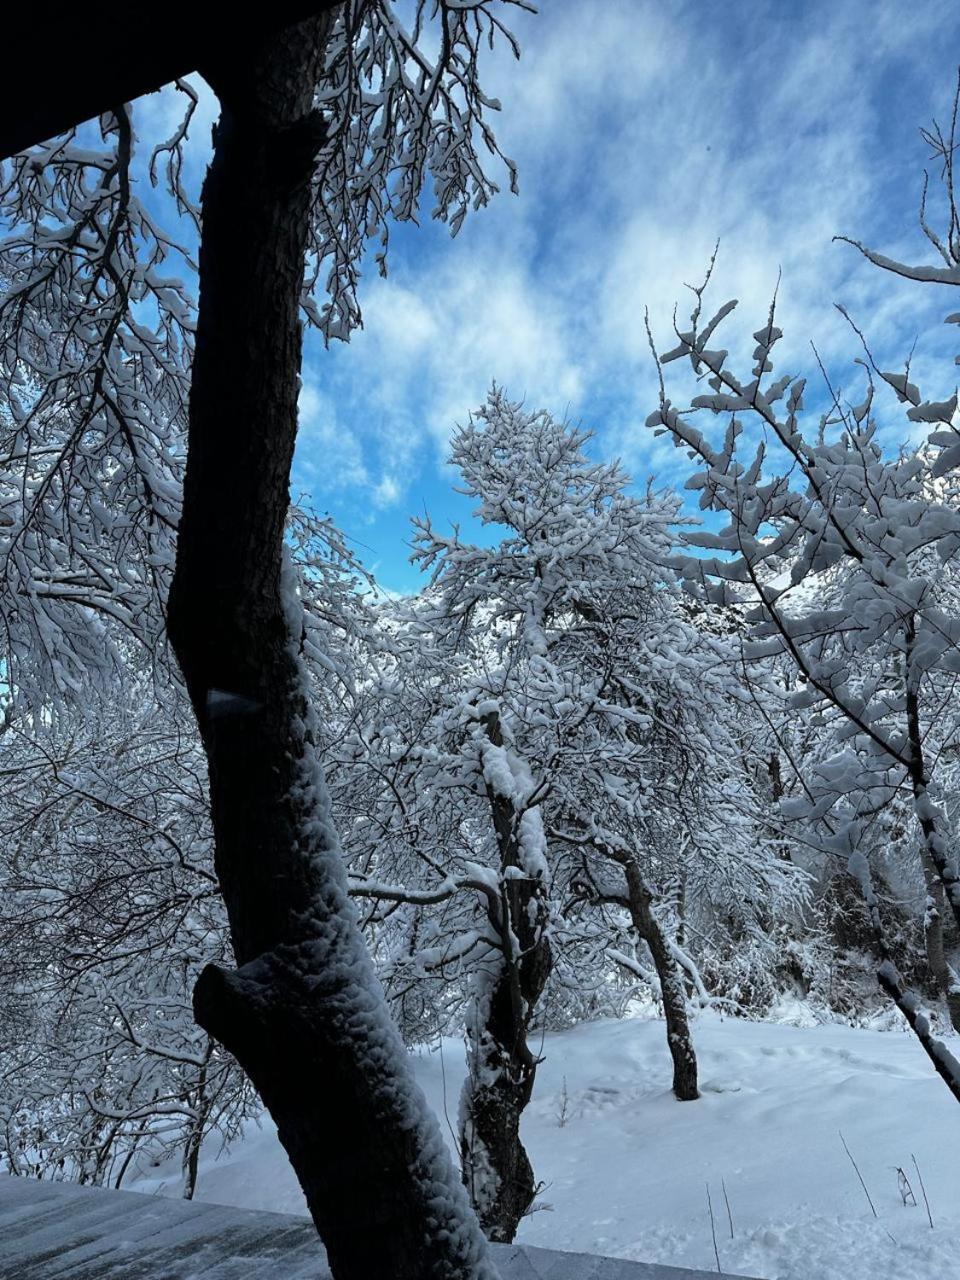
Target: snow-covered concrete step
[[59, 1231]]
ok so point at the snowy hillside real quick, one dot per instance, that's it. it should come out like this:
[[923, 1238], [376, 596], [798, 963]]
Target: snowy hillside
[[626, 1172]]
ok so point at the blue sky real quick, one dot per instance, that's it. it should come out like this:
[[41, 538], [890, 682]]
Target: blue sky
[[643, 133]]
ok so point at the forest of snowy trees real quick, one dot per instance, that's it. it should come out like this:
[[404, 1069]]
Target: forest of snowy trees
[[580, 767], [615, 750]]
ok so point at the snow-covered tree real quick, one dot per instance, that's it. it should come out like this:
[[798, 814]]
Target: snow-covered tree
[[642, 791], [576, 699], [844, 557], [110, 910], [447, 848], [111, 907]]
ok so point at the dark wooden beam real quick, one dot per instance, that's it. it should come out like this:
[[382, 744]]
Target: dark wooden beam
[[60, 71]]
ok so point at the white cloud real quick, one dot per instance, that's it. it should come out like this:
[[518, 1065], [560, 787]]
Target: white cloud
[[386, 491], [427, 356], [644, 132], [329, 454]]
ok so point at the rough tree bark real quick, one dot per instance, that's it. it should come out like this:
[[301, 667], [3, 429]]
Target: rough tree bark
[[302, 1012], [501, 1066]]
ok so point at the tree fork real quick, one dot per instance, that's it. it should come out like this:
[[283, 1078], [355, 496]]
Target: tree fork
[[302, 1013]]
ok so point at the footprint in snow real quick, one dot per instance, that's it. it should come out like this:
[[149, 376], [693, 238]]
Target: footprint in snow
[[722, 1086], [599, 1098]]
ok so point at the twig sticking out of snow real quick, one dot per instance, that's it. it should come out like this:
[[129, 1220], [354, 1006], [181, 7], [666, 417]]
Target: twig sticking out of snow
[[905, 1189], [726, 1201], [859, 1175], [923, 1189], [563, 1105], [713, 1230]]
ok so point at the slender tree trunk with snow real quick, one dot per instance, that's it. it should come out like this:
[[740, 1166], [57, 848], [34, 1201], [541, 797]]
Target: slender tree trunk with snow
[[637, 899], [302, 1012], [679, 1039], [501, 1067]]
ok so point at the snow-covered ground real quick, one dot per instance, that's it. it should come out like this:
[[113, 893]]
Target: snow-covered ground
[[626, 1173]]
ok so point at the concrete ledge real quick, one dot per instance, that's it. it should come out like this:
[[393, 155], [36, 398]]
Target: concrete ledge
[[59, 1231]]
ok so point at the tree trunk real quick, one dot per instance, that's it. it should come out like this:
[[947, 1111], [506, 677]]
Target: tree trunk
[[935, 943], [671, 985], [198, 1128], [939, 868], [909, 1004], [943, 1061], [501, 1067], [303, 1012], [501, 1071], [929, 817]]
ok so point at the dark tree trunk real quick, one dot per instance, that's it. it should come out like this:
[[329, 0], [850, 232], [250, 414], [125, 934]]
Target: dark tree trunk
[[191, 1161], [934, 846], [935, 941], [944, 1063], [637, 899], [939, 871], [501, 1067], [907, 1001], [679, 1038], [195, 1135], [303, 1012]]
